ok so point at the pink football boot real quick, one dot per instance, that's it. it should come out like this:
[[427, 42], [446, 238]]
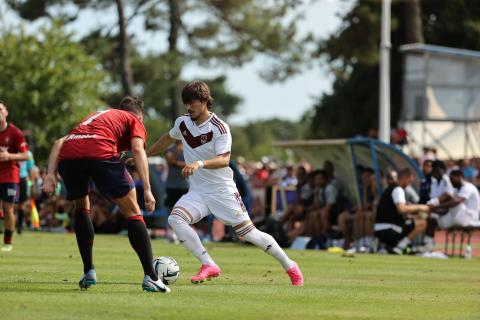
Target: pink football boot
[[206, 272], [295, 275]]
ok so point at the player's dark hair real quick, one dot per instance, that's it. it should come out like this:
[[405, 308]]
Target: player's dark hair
[[3, 102], [457, 173], [197, 90], [428, 161], [405, 173], [131, 104], [439, 164]]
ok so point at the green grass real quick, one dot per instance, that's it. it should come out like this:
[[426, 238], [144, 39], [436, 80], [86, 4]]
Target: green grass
[[38, 280]]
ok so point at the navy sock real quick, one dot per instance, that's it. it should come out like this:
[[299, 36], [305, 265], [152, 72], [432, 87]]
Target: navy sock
[[138, 236], [85, 235]]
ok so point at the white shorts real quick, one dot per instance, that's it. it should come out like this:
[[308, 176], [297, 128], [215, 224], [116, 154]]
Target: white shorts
[[226, 207], [458, 216]]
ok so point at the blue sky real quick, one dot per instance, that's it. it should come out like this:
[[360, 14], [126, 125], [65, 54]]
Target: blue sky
[[261, 100]]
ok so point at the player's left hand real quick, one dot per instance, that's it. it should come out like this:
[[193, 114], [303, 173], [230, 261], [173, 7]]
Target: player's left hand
[[189, 169], [5, 156], [149, 200], [49, 184]]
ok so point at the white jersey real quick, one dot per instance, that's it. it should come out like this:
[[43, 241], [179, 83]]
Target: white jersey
[[204, 142], [472, 198], [438, 188]]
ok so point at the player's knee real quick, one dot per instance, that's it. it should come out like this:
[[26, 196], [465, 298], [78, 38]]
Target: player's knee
[[175, 220], [421, 224]]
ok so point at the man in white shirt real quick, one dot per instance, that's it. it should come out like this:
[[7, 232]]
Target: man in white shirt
[[440, 186], [463, 206], [440, 182], [207, 145]]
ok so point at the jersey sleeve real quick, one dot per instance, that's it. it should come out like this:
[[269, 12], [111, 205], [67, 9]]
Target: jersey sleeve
[[331, 194], [223, 142], [398, 196], [137, 129], [464, 192], [175, 131], [20, 143]]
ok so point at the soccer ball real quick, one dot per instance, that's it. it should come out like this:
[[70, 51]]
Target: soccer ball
[[167, 269]]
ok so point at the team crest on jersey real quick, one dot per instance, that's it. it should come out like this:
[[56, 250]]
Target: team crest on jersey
[[203, 138]]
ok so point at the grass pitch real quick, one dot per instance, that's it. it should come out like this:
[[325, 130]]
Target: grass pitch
[[38, 280]]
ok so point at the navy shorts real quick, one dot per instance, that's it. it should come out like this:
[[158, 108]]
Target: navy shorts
[[110, 177], [9, 192]]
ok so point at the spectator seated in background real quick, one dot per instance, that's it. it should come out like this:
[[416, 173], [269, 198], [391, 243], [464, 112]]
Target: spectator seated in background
[[336, 206], [362, 220], [398, 222], [426, 182], [440, 186], [295, 214], [463, 206]]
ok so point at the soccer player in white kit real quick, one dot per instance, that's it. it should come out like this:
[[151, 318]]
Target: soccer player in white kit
[[207, 144]]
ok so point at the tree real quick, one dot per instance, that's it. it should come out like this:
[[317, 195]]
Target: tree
[[353, 55], [255, 139], [46, 75], [222, 33], [34, 9]]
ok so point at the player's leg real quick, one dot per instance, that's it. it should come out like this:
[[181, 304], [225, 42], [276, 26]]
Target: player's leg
[[9, 195], [113, 180], [85, 235], [9, 212], [229, 208], [411, 229], [189, 210], [84, 232], [76, 177], [137, 231]]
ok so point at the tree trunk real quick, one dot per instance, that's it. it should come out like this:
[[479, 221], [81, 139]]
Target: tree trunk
[[413, 22], [124, 51], [175, 64]]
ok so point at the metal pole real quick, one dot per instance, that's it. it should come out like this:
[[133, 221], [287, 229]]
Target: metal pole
[[385, 46]]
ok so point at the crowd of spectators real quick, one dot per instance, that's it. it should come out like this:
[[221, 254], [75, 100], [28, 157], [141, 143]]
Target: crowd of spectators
[[317, 208]]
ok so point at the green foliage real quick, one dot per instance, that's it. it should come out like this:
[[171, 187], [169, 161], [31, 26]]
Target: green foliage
[[353, 56], [255, 139], [48, 82]]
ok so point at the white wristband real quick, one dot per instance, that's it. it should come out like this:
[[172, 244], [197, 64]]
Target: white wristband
[[200, 163]]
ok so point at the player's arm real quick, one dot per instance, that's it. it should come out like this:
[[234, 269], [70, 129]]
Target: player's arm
[[172, 160], [163, 142], [404, 208], [50, 181], [220, 161], [141, 164], [7, 156], [453, 202]]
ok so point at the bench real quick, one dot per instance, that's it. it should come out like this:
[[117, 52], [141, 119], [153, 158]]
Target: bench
[[465, 233]]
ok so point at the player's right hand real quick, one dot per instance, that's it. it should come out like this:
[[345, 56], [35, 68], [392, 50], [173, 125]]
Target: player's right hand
[[149, 200], [49, 183]]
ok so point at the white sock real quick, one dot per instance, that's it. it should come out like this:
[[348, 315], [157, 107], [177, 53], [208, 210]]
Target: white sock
[[189, 238], [266, 243], [403, 243], [428, 240]]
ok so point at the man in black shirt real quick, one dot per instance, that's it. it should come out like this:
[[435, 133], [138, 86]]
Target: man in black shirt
[[397, 222]]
